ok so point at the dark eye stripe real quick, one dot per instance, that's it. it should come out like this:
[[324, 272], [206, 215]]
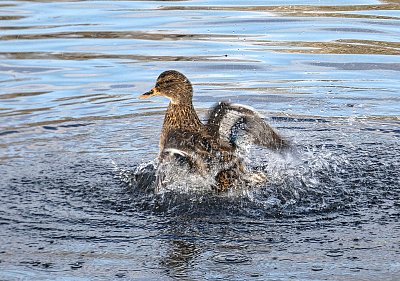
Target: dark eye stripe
[[166, 82]]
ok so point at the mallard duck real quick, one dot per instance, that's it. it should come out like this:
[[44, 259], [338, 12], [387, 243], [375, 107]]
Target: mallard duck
[[210, 149]]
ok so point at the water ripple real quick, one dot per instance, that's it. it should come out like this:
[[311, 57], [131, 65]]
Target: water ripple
[[74, 137]]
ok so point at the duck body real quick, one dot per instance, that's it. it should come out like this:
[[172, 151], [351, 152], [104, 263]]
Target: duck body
[[209, 149], [187, 141]]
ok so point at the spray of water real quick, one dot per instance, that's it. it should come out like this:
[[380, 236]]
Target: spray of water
[[304, 179]]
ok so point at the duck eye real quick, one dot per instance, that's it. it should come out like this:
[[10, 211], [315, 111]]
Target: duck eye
[[165, 83]]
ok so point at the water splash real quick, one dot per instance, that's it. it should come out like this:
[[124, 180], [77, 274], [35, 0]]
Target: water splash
[[306, 179]]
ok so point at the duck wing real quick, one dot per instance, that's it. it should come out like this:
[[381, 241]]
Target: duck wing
[[241, 125], [192, 149], [197, 150]]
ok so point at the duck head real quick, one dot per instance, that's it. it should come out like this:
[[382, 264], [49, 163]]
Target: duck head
[[173, 85]]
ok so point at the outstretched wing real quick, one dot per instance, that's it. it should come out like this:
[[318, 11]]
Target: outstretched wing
[[242, 125]]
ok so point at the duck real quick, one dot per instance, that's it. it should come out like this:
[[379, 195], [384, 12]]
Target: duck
[[214, 148]]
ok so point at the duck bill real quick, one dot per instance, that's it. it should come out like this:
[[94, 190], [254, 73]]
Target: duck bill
[[151, 93]]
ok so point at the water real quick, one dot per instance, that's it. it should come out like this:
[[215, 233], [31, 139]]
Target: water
[[326, 75]]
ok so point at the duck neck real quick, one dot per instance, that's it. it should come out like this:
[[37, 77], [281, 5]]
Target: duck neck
[[180, 116]]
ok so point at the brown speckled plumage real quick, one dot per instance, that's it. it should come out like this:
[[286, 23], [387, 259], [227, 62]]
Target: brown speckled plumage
[[182, 118], [207, 148]]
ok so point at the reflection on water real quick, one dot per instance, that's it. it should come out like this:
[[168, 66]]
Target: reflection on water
[[73, 136], [179, 258]]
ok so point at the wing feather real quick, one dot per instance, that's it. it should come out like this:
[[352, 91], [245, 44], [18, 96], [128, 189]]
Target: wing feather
[[241, 125]]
